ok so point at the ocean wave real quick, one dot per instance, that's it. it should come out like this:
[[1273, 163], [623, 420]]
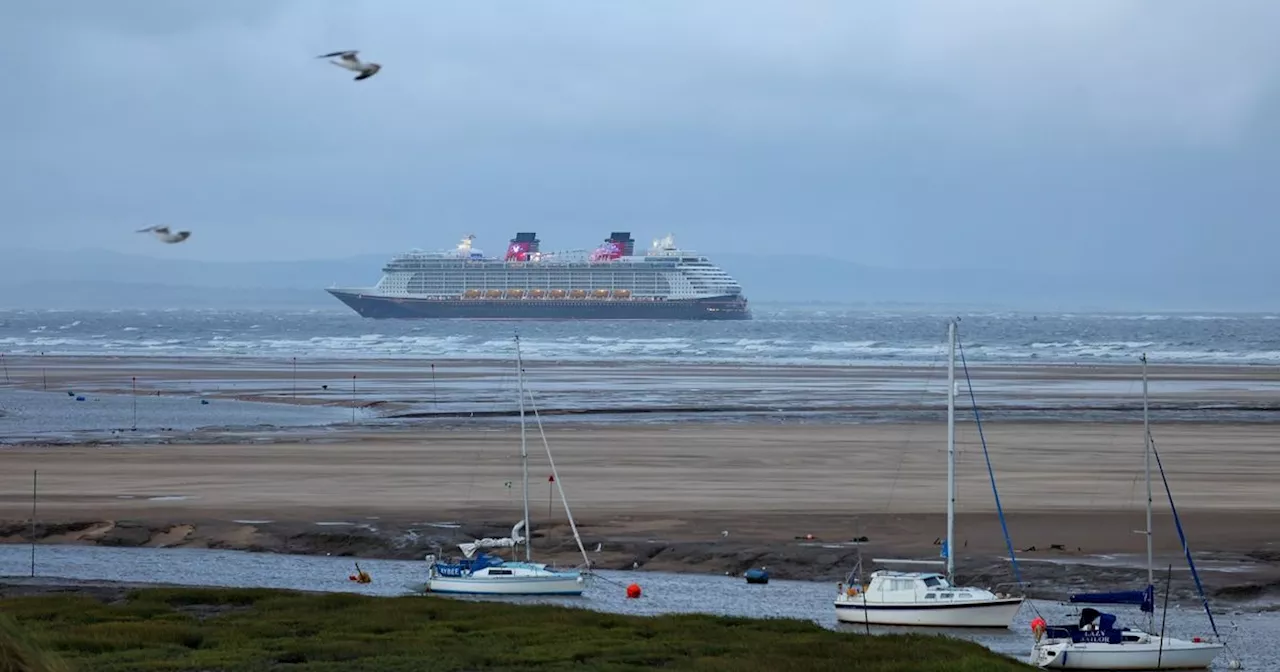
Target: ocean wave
[[807, 339]]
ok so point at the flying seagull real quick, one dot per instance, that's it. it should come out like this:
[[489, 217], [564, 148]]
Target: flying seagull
[[348, 60], [166, 236]]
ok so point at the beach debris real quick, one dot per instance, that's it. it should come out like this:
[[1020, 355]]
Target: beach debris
[[165, 235], [348, 60], [79, 398], [757, 576], [633, 591], [204, 402], [70, 393], [360, 576]]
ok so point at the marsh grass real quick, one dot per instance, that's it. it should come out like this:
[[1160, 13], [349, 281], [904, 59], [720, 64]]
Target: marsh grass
[[20, 652], [221, 629]]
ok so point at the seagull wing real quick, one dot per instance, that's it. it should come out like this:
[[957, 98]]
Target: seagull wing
[[349, 54], [149, 229]]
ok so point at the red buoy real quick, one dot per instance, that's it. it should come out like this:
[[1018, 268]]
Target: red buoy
[[633, 591]]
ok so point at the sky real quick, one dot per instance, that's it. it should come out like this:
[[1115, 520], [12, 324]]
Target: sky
[[1069, 136]]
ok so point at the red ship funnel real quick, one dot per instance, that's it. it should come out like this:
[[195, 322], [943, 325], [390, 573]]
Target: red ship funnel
[[522, 247]]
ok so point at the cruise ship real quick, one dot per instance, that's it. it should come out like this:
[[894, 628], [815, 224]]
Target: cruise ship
[[610, 282]]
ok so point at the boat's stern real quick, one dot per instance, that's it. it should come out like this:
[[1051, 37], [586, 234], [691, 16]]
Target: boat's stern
[[1048, 655]]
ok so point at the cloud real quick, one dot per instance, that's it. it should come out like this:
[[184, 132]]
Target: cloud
[[693, 115], [1180, 70]]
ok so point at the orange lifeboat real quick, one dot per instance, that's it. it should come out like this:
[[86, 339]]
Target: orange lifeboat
[[494, 293], [621, 293], [515, 293], [599, 293], [537, 293], [578, 294], [471, 293], [557, 293]]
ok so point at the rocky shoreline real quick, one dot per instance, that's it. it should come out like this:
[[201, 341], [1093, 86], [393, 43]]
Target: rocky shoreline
[[1252, 582]]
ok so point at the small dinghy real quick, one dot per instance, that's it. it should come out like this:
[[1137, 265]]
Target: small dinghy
[[757, 575]]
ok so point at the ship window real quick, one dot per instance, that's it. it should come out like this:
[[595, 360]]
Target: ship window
[[965, 596], [946, 596], [929, 596], [500, 572], [932, 582]]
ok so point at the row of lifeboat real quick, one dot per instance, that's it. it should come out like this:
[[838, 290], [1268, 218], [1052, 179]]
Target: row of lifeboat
[[547, 294]]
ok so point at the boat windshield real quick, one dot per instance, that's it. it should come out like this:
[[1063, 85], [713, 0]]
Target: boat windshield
[[934, 582]]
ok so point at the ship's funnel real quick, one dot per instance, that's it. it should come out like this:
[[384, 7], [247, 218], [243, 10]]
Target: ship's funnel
[[618, 244], [523, 246], [624, 241]]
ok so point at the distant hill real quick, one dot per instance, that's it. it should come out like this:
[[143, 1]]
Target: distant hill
[[96, 278]]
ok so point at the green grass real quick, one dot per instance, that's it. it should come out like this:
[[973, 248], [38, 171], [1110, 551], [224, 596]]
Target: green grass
[[221, 629]]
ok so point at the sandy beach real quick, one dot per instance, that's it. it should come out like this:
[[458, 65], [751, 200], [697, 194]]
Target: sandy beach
[[702, 498], [798, 461]]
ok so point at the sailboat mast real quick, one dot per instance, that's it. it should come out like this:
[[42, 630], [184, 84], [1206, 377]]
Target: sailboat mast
[[524, 456], [951, 449], [1146, 465]]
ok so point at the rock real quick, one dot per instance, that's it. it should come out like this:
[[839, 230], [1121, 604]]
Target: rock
[[126, 533]]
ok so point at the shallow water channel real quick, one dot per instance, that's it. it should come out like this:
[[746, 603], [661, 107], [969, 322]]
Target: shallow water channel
[[1250, 635]]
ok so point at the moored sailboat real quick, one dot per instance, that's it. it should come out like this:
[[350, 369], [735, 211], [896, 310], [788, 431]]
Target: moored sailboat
[[928, 598], [1095, 643], [479, 573]]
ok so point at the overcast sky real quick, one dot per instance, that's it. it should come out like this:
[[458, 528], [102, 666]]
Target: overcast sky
[[997, 133]]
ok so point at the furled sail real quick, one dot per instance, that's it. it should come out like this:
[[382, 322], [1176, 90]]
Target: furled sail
[[469, 549], [1143, 599]]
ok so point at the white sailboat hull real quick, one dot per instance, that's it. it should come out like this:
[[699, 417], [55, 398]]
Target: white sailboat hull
[[568, 584], [997, 613], [1176, 654]]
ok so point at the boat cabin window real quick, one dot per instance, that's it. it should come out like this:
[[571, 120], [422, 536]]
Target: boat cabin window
[[929, 596], [932, 582], [965, 596], [500, 572], [946, 596], [901, 584]]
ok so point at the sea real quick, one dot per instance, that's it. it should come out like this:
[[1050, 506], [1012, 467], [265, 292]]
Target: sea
[[777, 334]]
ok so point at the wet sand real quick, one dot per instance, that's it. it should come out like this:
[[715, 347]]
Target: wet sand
[[629, 392], [701, 498]]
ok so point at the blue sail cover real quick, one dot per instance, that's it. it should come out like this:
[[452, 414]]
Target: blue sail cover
[[464, 567], [1145, 599]]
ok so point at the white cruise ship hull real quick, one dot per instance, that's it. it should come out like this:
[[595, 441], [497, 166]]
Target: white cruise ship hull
[[997, 613], [1176, 654]]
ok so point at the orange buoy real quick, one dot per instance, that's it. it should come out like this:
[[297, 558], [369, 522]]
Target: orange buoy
[[1038, 627], [360, 576], [633, 591]]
